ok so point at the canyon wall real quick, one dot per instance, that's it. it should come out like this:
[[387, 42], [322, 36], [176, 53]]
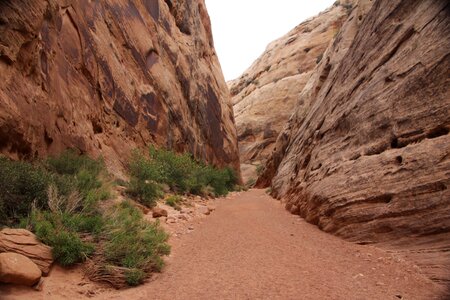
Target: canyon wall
[[105, 77], [365, 155], [265, 95]]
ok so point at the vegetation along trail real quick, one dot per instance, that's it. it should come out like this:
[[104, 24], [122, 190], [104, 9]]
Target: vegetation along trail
[[252, 248]]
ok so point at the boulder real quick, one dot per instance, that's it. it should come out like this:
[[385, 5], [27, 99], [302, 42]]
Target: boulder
[[24, 242], [18, 269], [159, 212]]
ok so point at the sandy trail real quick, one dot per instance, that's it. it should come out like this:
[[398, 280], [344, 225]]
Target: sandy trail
[[251, 248]]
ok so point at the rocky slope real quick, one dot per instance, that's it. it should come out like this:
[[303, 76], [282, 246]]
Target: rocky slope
[[366, 153], [276, 78], [108, 76]]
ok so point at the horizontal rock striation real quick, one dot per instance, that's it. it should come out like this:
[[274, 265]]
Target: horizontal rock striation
[[366, 157], [25, 243], [105, 77]]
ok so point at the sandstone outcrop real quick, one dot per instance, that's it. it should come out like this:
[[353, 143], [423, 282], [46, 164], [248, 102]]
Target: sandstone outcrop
[[105, 77], [23, 242], [18, 269], [265, 95], [366, 153]]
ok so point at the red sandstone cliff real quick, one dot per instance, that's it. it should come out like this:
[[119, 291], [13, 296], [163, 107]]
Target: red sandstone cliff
[[108, 76]]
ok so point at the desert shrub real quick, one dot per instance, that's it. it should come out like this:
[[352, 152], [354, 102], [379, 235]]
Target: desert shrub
[[174, 201], [82, 223], [181, 172], [62, 225], [144, 191], [68, 249], [175, 169], [69, 162], [133, 243], [78, 172], [57, 199], [21, 184], [24, 183], [67, 246], [221, 180], [130, 248], [134, 277], [145, 169]]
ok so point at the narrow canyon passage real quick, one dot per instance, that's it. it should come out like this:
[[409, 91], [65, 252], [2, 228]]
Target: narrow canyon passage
[[252, 248]]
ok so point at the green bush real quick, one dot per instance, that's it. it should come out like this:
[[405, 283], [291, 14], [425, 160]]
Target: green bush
[[58, 200], [134, 243], [180, 172], [21, 184], [144, 191], [71, 163], [175, 169], [78, 172], [144, 169], [174, 201], [82, 223], [67, 247], [135, 277], [24, 183]]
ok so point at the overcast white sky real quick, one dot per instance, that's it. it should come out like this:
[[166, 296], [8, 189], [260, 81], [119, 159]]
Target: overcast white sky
[[243, 28]]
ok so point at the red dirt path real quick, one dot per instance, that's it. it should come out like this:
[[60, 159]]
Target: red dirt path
[[251, 248]]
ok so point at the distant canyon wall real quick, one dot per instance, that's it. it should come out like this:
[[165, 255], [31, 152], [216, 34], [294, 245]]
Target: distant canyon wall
[[266, 94], [105, 77]]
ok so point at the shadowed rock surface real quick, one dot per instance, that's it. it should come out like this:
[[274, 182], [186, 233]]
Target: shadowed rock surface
[[265, 95], [105, 77], [365, 155]]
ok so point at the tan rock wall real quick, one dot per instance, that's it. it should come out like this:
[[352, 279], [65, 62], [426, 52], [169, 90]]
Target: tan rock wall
[[367, 157], [265, 95]]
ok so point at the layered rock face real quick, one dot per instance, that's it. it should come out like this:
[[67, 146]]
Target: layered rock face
[[366, 153], [105, 77], [265, 95], [25, 243]]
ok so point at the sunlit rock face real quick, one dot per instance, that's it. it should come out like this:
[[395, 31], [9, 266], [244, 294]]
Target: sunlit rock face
[[265, 95], [365, 155], [105, 77]]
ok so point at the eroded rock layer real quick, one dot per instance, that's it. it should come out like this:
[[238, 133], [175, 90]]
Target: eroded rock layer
[[109, 76], [265, 95], [366, 154]]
